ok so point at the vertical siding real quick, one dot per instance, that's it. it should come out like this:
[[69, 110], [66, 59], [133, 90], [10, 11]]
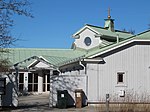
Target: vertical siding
[[134, 61], [92, 82]]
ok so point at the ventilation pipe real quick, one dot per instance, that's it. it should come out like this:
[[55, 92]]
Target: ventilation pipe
[[117, 38]]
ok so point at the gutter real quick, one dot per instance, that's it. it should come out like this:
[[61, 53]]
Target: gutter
[[80, 63]]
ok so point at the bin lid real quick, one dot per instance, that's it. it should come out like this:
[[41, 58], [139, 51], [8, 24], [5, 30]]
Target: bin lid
[[62, 91], [78, 90]]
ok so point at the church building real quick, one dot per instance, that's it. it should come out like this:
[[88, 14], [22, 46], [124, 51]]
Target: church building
[[102, 60]]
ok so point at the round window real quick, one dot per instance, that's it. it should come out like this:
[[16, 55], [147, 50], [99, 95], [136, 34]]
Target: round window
[[87, 41]]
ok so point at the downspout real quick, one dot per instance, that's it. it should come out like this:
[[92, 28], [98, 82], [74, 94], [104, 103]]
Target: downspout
[[80, 63]]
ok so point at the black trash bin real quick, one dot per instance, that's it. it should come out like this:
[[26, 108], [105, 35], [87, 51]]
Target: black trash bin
[[62, 96]]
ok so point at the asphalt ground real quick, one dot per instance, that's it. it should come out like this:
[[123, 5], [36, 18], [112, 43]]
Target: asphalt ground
[[40, 103]]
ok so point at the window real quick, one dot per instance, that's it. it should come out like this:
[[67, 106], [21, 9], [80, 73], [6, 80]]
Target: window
[[87, 41], [32, 82], [120, 77], [46, 82], [21, 81]]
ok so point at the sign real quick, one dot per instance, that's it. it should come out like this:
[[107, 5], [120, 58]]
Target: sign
[[78, 94], [62, 95]]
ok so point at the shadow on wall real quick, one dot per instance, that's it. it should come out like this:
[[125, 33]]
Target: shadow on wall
[[84, 99], [70, 101], [69, 83], [7, 98]]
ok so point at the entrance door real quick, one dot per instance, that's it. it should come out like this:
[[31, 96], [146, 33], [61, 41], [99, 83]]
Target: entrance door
[[46, 82], [32, 82]]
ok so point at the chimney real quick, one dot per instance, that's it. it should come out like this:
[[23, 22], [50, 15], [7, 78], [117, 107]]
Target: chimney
[[109, 23]]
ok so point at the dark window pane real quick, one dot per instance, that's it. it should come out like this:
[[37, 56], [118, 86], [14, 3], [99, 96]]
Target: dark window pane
[[48, 87], [87, 41], [36, 87], [20, 87], [43, 87], [44, 78], [21, 77], [35, 78], [120, 77], [30, 76], [48, 80], [30, 87]]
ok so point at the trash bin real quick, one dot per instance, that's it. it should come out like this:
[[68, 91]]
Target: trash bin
[[62, 98], [79, 98]]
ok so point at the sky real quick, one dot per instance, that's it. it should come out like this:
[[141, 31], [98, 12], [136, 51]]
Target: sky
[[55, 21]]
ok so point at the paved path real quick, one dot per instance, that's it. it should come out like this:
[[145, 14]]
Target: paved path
[[46, 109], [34, 100], [40, 103]]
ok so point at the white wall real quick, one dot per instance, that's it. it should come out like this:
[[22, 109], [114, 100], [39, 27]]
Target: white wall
[[40, 82], [87, 33], [134, 61], [69, 81]]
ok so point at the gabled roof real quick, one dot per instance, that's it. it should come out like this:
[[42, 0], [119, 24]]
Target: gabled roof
[[104, 32], [82, 29], [53, 56]]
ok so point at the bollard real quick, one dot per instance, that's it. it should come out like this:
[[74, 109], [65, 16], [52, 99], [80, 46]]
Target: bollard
[[107, 102]]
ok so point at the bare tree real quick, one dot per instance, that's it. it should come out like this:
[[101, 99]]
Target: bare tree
[[8, 8], [131, 31]]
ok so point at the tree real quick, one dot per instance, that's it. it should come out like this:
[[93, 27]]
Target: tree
[[131, 31], [8, 8]]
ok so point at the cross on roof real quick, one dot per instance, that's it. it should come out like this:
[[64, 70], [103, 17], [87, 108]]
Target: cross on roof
[[109, 13]]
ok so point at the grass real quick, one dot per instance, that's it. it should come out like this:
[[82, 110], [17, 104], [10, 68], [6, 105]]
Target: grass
[[132, 102]]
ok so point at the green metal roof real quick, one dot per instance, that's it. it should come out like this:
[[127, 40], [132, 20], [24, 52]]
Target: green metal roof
[[60, 57], [56, 60], [109, 33], [142, 36], [53, 56]]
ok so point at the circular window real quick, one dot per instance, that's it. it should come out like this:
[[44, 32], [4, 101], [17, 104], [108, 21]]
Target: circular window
[[87, 41]]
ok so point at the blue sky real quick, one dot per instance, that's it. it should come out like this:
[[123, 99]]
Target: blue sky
[[55, 21]]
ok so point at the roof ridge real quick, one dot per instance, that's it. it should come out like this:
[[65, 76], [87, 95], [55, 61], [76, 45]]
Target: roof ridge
[[54, 56], [143, 32], [95, 26], [40, 49]]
